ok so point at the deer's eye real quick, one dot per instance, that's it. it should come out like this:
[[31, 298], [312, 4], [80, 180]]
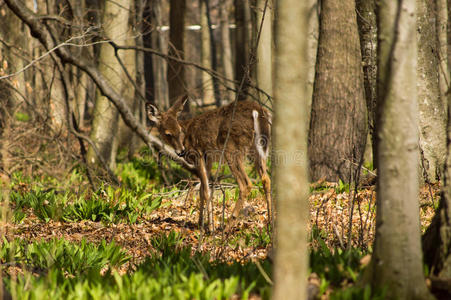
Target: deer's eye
[[168, 135]]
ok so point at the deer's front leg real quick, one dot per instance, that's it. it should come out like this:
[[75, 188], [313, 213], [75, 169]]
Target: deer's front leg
[[204, 195]]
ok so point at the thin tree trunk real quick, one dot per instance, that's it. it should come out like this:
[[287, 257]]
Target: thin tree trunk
[[397, 262], [366, 20], [226, 47], [176, 71], [313, 37], [125, 135], [105, 122], [290, 140], [242, 46], [213, 52], [159, 41], [139, 103], [207, 80], [264, 50]]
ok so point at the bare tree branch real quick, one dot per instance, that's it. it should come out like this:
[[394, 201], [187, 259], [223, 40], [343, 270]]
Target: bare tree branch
[[42, 33]]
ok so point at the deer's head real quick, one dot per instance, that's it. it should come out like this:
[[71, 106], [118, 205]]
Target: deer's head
[[168, 125]]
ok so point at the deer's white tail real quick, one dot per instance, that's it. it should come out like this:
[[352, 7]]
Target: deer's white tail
[[261, 139]]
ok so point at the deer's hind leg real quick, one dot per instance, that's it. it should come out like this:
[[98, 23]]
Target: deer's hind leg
[[260, 165], [236, 165]]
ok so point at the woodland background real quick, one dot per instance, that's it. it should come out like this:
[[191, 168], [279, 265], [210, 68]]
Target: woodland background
[[363, 90]]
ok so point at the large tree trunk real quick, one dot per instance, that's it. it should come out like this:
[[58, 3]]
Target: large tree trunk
[[176, 70], [397, 258], [290, 140], [105, 121], [432, 106], [337, 134], [437, 239]]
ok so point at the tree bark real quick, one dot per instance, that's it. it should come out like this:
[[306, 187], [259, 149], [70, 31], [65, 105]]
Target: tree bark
[[366, 20], [290, 141], [11, 57], [242, 46], [338, 132], [432, 106], [313, 37], [207, 80], [263, 67], [105, 122], [125, 135], [159, 42], [397, 258], [437, 238], [226, 47], [214, 58], [176, 70]]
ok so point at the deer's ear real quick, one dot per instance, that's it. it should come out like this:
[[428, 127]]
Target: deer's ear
[[152, 113], [178, 105]]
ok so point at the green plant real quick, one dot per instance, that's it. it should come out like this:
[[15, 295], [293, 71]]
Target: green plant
[[336, 266], [173, 271], [60, 254], [112, 205], [342, 187], [46, 204]]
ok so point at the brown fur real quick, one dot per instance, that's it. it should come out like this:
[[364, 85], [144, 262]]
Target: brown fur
[[201, 141]]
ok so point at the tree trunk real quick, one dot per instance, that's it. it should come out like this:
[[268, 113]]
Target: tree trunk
[[10, 57], [397, 258], [139, 103], [226, 48], [437, 239], [125, 135], [432, 107], [104, 124], [242, 46], [337, 134], [213, 52], [176, 70], [313, 36], [263, 67], [159, 42], [207, 80], [290, 140], [80, 80], [366, 20]]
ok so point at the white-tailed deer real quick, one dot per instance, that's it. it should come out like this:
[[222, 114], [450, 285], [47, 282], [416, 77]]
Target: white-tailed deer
[[240, 131]]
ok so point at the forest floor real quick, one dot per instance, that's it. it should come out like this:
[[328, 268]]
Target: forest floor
[[330, 214]]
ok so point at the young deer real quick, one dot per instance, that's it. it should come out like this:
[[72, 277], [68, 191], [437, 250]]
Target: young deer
[[236, 131]]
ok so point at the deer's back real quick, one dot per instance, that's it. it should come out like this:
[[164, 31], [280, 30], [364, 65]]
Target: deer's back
[[208, 131]]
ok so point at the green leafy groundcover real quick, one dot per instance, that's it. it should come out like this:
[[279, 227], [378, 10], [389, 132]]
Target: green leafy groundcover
[[59, 269], [73, 271]]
